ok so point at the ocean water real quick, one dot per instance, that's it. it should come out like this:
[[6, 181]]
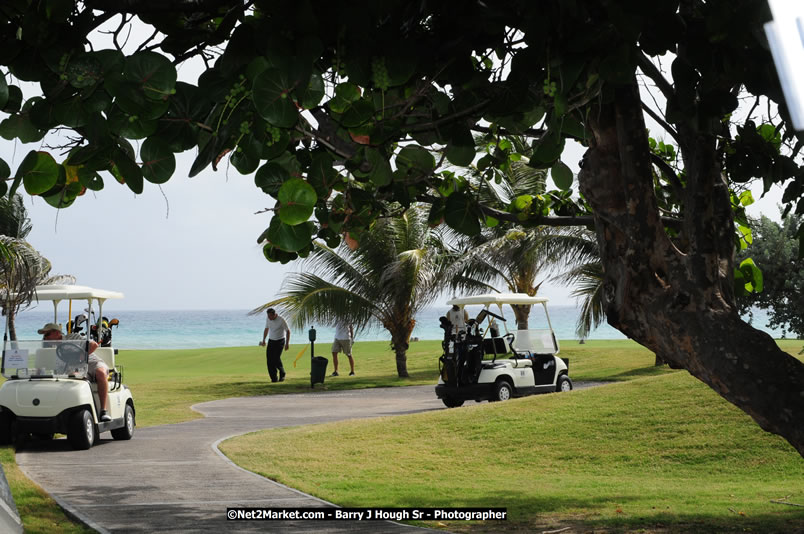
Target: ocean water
[[234, 328]]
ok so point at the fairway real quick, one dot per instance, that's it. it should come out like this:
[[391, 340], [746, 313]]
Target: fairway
[[656, 451], [659, 452]]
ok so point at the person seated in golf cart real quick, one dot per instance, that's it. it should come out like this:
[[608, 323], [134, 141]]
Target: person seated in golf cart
[[97, 369]]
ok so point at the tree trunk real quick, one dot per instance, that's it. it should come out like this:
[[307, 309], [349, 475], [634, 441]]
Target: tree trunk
[[521, 314], [677, 298], [12, 327], [401, 363], [400, 335]]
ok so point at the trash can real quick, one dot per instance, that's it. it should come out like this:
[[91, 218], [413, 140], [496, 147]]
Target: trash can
[[318, 370]]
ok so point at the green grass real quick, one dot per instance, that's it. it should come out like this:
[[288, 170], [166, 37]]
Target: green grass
[[659, 453], [578, 478], [166, 383]]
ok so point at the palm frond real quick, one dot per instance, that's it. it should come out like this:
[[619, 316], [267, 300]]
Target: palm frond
[[308, 299], [588, 282]]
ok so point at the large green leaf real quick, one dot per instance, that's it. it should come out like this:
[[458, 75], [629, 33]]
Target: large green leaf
[[14, 100], [132, 99], [39, 172], [321, 174], [19, 126], [271, 96], [3, 91], [297, 200], [562, 175], [290, 238], [751, 276], [270, 178], [461, 148], [90, 179], [5, 171], [381, 173], [131, 126], [310, 96], [158, 162], [64, 196], [71, 113], [345, 94], [127, 171], [460, 214], [415, 159], [548, 149], [358, 113], [246, 157], [153, 73], [186, 108]]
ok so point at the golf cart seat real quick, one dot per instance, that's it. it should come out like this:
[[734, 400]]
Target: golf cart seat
[[494, 345], [107, 355]]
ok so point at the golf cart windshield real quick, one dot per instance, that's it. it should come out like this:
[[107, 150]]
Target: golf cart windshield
[[45, 359], [57, 358], [490, 311]]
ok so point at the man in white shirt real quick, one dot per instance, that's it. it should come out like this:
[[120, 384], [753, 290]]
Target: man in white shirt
[[344, 335], [458, 318], [278, 334]]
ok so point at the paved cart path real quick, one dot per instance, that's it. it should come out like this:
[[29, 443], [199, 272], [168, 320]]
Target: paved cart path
[[171, 478]]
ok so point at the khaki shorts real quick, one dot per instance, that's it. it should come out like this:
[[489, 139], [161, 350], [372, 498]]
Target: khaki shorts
[[342, 345], [93, 362]]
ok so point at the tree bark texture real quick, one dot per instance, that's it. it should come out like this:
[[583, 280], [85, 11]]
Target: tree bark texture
[[676, 297], [400, 335]]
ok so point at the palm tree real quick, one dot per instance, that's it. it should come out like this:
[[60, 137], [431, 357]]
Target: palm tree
[[23, 268], [588, 281], [518, 256], [399, 268]]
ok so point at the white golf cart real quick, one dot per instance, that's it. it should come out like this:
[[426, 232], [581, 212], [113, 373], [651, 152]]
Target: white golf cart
[[481, 363], [47, 390]]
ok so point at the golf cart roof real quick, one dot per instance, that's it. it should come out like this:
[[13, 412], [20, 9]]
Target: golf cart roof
[[498, 298], [71, 292]]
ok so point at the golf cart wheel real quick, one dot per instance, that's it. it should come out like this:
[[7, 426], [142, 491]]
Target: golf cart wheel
[[502, 391], [128, 429], [564, 384], [5, 429], [451, 402], [81, 430]]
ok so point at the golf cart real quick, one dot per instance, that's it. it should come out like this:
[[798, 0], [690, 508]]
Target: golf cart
[[481, 363], [47, 390]]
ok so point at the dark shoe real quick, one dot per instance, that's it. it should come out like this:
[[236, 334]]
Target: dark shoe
[[334, 373], [352, 373], [282, 377], [104, 417]]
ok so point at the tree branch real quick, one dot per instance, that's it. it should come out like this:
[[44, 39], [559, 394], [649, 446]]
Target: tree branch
[[654, 74], [136, 7], [664, 124]]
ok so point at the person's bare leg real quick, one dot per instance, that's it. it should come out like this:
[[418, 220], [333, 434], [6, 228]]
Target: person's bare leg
[[335, 361], [351, 362], [102, 379]]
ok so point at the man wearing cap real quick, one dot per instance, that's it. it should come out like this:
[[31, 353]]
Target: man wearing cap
[[278, 334], [95, 366]]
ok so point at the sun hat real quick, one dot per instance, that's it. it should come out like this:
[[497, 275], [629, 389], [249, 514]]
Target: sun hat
[[48, 327]]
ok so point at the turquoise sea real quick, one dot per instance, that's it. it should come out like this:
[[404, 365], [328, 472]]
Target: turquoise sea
[[233, 328]]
